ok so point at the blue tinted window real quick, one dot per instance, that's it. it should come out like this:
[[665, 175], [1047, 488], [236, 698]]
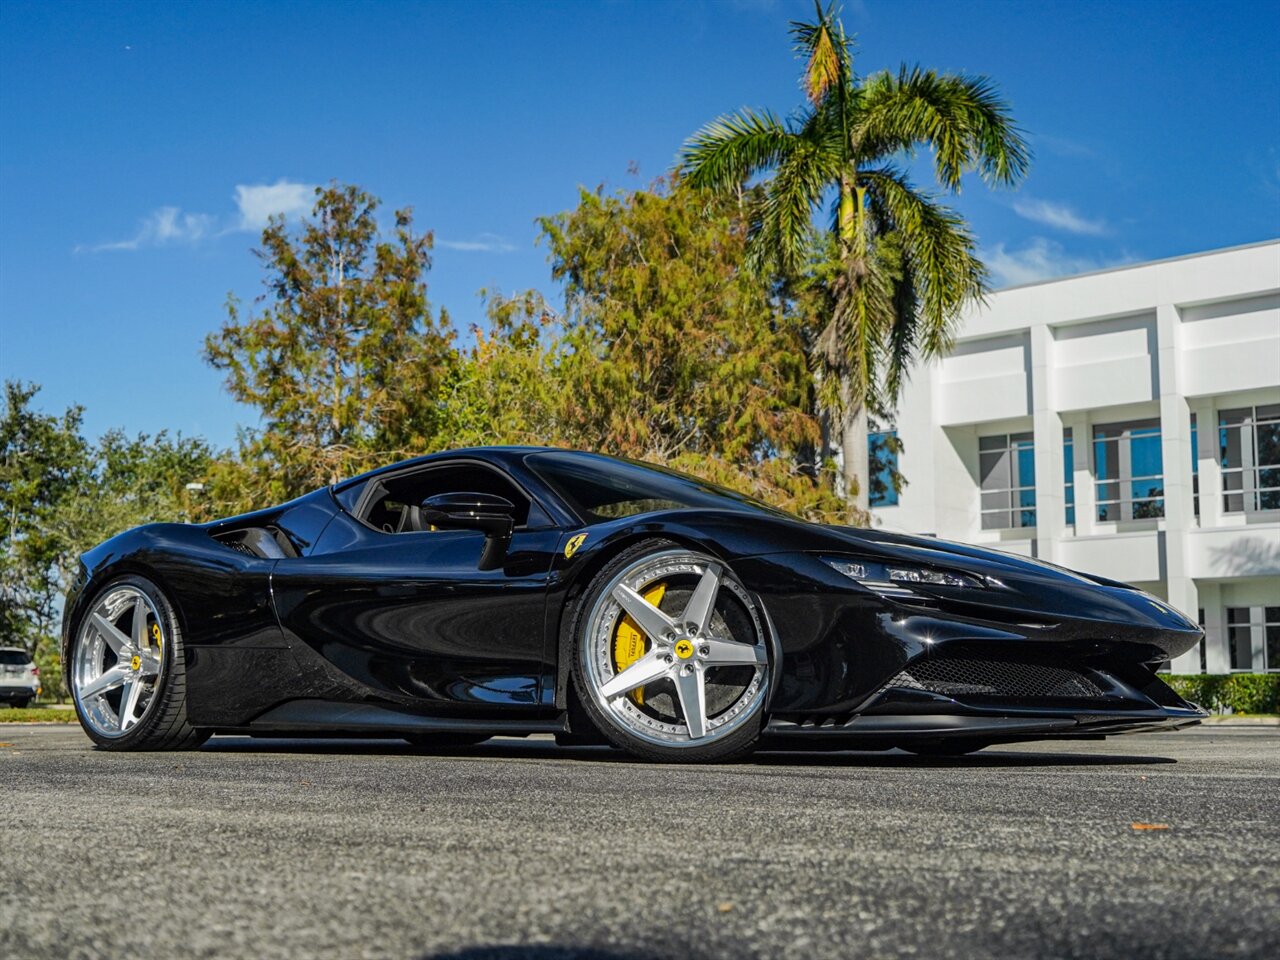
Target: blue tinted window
[[883, 464], [1069, 473]]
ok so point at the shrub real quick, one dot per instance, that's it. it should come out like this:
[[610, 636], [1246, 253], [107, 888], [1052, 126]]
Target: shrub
[[1237, 692]]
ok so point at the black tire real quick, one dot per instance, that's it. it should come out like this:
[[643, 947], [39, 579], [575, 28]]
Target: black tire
[[735, 745], [22, 704], [444, 742], [957, 747], [164, 725]]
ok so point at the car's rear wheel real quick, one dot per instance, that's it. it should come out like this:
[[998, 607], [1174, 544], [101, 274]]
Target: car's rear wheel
[[127, 670], [671, 660], [21, 704]]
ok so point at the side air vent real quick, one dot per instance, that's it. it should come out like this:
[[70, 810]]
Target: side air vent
[[266, 543], [956, 677]]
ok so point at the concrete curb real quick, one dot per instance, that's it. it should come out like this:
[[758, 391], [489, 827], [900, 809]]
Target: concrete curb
[[1228, 720]]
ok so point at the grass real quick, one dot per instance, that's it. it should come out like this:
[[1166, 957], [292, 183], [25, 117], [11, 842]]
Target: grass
[[37, 714]]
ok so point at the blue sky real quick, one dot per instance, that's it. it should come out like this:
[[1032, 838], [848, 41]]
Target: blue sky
[[142, 144]]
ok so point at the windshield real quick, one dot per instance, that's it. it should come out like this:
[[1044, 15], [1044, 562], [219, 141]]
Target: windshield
[[599, 488], [14, 658]]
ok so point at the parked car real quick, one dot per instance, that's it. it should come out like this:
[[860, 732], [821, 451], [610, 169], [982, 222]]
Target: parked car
[[19, 676], [505, 591]]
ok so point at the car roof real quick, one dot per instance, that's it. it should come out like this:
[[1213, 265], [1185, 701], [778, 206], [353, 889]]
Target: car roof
[[12, 649], [501, 454]]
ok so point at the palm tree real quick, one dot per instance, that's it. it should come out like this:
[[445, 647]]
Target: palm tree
[[899, 266]]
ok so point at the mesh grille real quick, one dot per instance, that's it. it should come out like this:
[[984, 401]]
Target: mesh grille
[[994, 678], [240, 546]]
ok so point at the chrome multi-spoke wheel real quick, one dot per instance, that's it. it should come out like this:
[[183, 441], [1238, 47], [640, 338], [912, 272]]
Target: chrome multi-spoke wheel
[[118, 663], [672, 652]]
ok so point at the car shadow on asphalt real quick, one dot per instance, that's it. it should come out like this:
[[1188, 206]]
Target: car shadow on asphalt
[[510, 748], [558, 952]]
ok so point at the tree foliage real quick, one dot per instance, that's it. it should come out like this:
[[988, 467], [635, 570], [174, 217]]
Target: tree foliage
[[896, 266], [667, 351], [343, 350], [61, 495], [681, 356], [44, 468]]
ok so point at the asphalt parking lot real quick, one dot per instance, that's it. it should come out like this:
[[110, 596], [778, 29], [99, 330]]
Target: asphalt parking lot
[[519, 849]]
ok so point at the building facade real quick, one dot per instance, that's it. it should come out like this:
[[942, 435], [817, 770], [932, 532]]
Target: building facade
[[1125, 423]]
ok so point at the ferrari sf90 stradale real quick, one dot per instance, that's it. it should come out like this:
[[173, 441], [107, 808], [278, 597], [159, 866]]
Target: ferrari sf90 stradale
[[511, 591]]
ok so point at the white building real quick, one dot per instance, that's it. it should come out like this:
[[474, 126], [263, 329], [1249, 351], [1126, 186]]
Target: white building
[[1124, 423]]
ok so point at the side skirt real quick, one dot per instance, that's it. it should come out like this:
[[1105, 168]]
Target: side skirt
[[321, 716]]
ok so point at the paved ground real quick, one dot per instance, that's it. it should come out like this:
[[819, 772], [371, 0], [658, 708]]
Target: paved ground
[[519, 850]]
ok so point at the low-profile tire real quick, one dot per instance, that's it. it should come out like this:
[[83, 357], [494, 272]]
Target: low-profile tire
[[695, 640], [127, 670], [956, 747], [443, 742]]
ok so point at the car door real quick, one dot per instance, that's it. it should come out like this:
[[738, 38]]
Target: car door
[[410, 615]]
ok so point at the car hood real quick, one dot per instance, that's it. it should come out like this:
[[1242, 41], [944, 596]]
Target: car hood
[[941, 552]]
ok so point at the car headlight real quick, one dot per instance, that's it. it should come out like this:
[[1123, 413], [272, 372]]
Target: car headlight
[[896, 579]]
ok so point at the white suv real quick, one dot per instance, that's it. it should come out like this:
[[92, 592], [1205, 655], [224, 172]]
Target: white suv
[[19, 677]]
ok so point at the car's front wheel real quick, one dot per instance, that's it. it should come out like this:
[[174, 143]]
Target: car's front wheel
[[127, 670], [671, 658]]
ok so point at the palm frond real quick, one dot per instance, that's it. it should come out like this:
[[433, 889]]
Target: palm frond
[[938, 252], [901, 347], [785, 225], [732, 148], [825, 49], [961, 118]]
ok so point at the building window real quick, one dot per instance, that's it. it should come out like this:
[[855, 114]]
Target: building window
[[1271, 633], [1242, 624], [1195, 467], [1129, 470], [1007, 468], [1204, 654], [1249, 447], [882, 451], [1069, 474]]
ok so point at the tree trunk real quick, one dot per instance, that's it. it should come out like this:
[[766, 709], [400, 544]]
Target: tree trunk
[[855, 452]]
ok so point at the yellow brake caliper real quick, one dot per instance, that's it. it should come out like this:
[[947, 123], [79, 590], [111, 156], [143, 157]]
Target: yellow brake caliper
[[629, 643]]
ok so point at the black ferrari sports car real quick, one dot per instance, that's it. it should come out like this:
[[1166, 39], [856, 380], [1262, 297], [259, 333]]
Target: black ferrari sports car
[[510, 591]]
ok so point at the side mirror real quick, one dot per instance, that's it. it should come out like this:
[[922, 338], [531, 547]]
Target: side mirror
[[490, 514]]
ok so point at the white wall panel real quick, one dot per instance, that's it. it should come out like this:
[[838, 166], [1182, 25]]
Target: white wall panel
[[985, 380], [1230, 346], [1105, 363], [1127, 557]]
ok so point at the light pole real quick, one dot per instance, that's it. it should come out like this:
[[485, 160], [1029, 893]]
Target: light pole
[[190, 488]]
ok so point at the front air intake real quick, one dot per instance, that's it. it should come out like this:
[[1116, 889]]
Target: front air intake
[[964, 677]]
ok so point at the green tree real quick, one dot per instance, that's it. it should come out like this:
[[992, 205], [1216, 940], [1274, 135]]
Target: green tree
[[513, 385], [673, 353], [896, 267], [344, 350], [61, 495], [45, 465]]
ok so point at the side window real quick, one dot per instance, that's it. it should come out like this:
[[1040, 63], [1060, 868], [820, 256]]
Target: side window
[[394, 505]]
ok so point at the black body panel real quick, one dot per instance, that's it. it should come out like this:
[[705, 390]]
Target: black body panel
[[412, 618], [336, 625]]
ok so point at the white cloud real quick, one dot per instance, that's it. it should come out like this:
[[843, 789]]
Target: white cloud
[[1059, 216], [1041, 259], [257, 202], [1065, 147], [163, 227], [484, 243]]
